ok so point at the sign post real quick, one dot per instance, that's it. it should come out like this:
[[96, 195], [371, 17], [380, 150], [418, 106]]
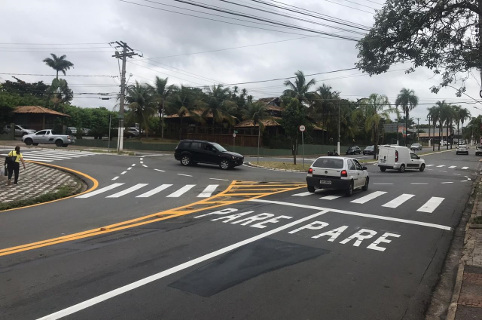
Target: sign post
[[302, 129], [234, 140]]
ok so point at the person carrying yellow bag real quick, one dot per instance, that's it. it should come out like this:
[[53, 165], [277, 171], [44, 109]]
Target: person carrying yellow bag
[[13, 166]]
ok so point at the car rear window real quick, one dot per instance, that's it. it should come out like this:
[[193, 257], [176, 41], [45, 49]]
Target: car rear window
[[328, 163], [183, 145]]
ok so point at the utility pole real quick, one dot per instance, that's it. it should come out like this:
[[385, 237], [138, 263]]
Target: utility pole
[[418, 129], [126, 52]]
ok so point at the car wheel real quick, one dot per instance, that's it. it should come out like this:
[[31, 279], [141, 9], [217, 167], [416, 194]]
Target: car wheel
[[382, 169], [402, 168], [422, 167], [59, 143], [224, 164], [365, 186], [349, 191], [311, 189], [185, 160], [35, 144], [28, 141]]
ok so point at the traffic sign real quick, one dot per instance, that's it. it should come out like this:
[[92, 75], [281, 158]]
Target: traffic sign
[[302, 128]]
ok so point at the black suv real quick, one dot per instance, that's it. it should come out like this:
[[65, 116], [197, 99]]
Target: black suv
[[194, 151], [353, 150]]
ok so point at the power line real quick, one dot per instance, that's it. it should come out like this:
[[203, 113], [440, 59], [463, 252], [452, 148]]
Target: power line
[[53, 75]]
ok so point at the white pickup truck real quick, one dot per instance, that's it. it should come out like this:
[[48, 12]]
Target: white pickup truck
[[47, 136]]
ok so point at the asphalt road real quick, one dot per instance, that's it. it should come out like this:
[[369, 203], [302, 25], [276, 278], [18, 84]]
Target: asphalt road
[[251, 254]]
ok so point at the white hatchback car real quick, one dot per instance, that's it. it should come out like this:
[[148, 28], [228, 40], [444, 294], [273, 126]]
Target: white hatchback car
[[339, 173], [462, 148]]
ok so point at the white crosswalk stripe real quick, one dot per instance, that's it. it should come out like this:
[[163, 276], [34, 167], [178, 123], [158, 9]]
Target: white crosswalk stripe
[[99, 191], [330, 197], [208, 191], [302, 194], [154, 191], [451, 167], [369, 197], [52, 155], [128, 190], [465, 168], [181, 191], [398, 201], [431, 205]]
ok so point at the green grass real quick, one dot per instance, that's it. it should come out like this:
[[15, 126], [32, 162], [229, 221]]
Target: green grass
[[62, 192]]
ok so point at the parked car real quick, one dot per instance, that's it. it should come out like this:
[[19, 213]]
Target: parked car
[[416, 146], [339, 173], [353, 150], [444, 143], [190, 152], [19, 130], [462, 148], [478, 150], [369, 150], [72, 130], [398, 158], [131, 132]]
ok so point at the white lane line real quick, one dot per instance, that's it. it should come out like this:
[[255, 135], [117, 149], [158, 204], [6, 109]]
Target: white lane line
[[133, 165], [368, 197], [123, 172], [144, 166], [431, 205], [358, 214], [159, 170], [219, 179], [441, 166], [154, 191], [98, 191], [139, 283], [181, 191], [330, 197], [115, 178], [183, 174], [447, 182], [429, 165], [301, 194], [129, 168], [451, 167], [128, 190], [398, 200], [419, 183], [208, 191], [465, 168], [384, 183]]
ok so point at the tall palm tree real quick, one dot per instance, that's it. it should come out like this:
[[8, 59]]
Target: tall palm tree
[[408, 101], [161, 92], [325, 101], [446, 116], [257, 113], [58, 64], [185, 101], [462, 115], [141, 104], [300, 89], [377, 109], [219, 105]]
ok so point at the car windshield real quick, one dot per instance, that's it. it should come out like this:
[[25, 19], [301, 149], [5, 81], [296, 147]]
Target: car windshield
[[328, 163], [219, 147]]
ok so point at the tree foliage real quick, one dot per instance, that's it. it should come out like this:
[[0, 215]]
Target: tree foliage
[[58, 64], [441, 35]]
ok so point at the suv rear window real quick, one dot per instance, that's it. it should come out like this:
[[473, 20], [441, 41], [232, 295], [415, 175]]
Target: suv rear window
[[328, 163]]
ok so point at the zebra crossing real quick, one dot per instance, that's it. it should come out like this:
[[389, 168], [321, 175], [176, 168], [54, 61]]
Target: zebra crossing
[[142, 190], [443, 166], [428, 207], [47, 155]]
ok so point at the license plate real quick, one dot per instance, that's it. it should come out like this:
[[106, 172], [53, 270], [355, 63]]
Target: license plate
[[325, 181]]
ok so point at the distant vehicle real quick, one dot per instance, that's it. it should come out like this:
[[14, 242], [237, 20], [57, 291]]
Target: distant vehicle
[[72, 130], [190, 152], [131, 132], [48, 137], [353, 150], [85, 131], [462, 148], [416, 146], [444, 143], [339, 173], [398, 158], [478, 150], [369, 150], [19, 130]]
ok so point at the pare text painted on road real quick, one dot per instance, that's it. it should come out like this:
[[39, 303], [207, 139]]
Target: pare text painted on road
[[370, 239]]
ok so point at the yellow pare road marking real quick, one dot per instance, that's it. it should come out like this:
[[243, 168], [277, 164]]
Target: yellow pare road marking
[[232, 195]]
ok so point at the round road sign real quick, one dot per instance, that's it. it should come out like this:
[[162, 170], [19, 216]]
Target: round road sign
[[302, 128]]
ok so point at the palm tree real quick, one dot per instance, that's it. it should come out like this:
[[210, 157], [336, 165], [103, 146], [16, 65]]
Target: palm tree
[[257, 113], [141, 104], [377, 109], [219, 105], [462, 115], [300, 89], [185, 101], [58, 64], [324, 102], [446, 116], [408, 101], [161, 94]]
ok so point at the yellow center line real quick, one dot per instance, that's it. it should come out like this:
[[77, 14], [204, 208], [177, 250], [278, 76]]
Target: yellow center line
[[205, 204]]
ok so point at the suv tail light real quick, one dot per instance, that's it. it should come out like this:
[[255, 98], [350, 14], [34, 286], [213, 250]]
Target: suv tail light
[[344, 173], [396, 155], [310, 170]]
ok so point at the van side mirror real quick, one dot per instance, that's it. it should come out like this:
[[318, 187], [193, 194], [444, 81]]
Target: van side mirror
[[364, 168]]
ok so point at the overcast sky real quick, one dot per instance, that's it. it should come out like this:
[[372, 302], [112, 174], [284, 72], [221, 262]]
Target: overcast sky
[[199, 47]]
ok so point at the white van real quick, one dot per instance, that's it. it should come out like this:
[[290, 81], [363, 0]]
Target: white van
[[398, 158]]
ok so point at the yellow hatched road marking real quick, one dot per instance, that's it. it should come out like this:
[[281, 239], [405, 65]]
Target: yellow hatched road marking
[[227, 197]]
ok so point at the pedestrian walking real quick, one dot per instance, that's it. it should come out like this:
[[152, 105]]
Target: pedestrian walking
[[13, 167]]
